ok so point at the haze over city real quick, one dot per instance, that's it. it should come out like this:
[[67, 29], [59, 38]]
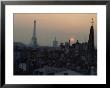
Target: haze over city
[[48, 26]]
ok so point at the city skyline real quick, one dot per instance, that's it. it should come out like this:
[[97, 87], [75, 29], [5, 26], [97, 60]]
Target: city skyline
[[49, 26]]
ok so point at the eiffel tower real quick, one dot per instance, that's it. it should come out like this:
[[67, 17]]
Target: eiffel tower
[[34, 38]]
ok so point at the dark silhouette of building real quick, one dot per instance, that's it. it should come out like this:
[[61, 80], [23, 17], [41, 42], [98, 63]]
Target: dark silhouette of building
[[91, 37]]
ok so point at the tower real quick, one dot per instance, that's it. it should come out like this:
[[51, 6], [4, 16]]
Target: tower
[[55, 43], [34, 38], [91, 37]]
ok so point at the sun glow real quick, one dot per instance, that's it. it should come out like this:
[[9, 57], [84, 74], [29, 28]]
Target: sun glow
[[72, 40]]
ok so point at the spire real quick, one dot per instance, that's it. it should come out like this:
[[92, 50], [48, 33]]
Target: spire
[[92, 28], [91, 36], [55, 42], [34, 32], [92, 21], [34, 39]]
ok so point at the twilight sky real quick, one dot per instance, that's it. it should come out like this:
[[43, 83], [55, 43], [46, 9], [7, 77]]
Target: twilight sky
[[60, 25]]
